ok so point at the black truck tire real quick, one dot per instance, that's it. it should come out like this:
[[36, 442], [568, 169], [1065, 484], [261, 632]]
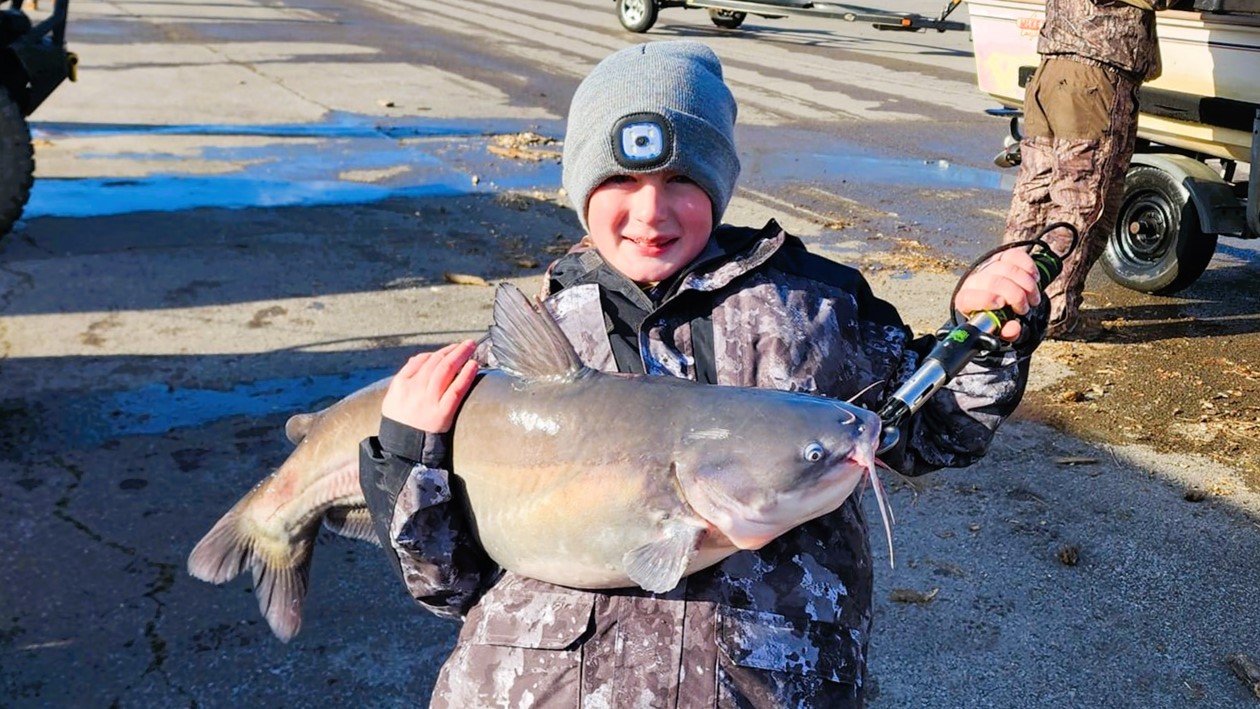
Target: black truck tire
[[1157, 245], [727, 19], [17, 162]]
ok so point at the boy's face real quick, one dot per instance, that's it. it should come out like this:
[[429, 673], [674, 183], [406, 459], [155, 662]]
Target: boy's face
[[648, 226]]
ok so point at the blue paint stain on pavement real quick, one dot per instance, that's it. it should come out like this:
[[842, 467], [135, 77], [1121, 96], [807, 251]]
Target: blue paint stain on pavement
[[337, 125], [102, 197], [347, 159], [157, 409]]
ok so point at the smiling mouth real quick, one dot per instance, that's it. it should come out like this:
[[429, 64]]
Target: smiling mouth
[[656, 244]]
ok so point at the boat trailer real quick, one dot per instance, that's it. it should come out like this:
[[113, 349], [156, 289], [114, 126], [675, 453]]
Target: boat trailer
[[1195, 172], [640, 15]]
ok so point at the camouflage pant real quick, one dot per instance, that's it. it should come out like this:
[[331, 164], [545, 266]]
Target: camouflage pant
[[530, 644], [1080, 124]]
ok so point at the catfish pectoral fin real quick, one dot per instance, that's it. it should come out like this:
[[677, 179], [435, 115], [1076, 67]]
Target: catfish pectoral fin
[[659, 566], [352, 522], [280, 567]]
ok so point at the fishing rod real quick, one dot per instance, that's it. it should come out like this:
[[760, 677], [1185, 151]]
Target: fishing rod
[[959, 340]]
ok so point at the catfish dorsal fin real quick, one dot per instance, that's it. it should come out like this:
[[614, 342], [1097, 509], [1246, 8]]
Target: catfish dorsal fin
[[527, 343]]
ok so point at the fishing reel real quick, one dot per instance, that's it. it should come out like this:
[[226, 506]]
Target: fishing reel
[[962, 338]]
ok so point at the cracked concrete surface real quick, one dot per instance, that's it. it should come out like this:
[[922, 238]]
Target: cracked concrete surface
[[203, 257]]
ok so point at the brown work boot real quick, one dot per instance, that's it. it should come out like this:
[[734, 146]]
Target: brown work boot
[[1081, 328]]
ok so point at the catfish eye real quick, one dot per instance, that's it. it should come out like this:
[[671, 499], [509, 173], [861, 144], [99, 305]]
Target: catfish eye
[[814, 452]]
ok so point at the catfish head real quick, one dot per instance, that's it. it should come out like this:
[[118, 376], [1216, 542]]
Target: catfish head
[[771, 460]]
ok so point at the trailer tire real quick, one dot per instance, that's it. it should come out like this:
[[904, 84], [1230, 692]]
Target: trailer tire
[[637, 15], [1157, 245], [727, 19], [17, 162]]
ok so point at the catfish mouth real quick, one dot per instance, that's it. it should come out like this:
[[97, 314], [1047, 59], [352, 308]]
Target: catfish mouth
[[753, 525]]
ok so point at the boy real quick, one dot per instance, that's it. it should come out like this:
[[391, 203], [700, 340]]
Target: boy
[[650, 164]]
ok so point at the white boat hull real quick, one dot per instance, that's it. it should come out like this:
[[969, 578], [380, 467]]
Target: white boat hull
[[1204, 55]]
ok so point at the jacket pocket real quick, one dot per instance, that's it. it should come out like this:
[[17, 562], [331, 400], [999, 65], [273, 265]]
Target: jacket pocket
[[529, 618], [797, 646], [520, 646]]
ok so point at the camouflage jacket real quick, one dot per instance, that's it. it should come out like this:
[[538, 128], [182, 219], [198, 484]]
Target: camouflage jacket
[[786, 625], [1109, 33]]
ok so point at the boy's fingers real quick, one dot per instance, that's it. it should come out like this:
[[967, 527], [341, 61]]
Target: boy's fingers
[[445, 365], [460, 386], [1000, 293], [1020, 260], [1002, 277], [1010, 331], [412, 365], [1013, 295], [1025, 277], [1029, 285], [416, 362]]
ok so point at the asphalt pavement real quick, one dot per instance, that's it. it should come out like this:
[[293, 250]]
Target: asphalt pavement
[[245, 211]]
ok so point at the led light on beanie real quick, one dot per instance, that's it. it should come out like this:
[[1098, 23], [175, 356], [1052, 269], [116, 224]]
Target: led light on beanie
[[642, 141]]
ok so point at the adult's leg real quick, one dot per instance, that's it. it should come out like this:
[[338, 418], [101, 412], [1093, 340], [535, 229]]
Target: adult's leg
[[1092, 114], [1114, 151], [1030, 198]]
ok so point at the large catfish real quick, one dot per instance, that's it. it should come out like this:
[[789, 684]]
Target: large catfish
[[572, 476]]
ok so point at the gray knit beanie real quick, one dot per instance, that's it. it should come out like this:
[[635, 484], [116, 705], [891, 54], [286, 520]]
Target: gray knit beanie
[[650, 107]]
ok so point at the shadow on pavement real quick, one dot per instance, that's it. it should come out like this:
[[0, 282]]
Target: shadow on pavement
[[123, 444]]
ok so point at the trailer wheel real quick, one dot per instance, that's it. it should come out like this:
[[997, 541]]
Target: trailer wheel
[[637, 15], [1157, 245], [727, 19], [17, 162]]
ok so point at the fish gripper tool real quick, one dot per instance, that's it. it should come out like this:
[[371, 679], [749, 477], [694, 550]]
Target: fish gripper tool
[[959, 341]]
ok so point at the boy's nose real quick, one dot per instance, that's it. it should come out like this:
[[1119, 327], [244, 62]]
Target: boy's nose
[[647, 204]]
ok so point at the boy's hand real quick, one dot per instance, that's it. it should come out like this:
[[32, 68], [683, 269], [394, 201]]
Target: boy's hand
[[427, 391], [1009, 279]]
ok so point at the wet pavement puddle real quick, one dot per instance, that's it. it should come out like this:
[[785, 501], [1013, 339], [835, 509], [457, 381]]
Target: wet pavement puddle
[[348, 159], [910, 172]]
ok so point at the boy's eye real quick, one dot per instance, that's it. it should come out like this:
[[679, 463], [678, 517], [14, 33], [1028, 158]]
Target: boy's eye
[[618, 180], [683, 179]]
